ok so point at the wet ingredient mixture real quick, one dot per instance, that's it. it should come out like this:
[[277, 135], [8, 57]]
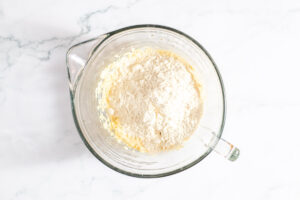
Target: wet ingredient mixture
[[152, 99]]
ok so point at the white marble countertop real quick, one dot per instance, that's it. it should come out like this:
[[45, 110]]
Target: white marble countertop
[[256, 46]]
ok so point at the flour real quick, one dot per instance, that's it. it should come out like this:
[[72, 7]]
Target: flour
[[152, 98]]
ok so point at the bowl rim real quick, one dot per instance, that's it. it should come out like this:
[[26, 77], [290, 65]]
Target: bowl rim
[[138, 175]]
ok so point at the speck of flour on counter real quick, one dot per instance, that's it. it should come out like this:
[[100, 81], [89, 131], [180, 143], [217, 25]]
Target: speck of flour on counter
[[152, 99]]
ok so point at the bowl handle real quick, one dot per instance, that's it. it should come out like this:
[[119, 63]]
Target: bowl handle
[[77, 57], [218, 145]]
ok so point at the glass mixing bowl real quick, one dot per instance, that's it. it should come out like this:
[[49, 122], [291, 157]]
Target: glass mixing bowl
[[86, 60]]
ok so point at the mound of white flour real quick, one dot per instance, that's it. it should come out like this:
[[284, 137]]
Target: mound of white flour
[[152, 99]]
